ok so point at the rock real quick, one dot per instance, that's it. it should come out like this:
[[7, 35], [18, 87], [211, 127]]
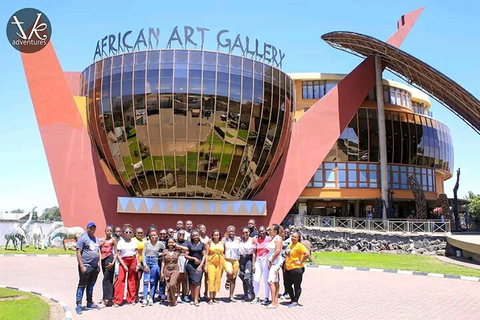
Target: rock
[[440, 252]]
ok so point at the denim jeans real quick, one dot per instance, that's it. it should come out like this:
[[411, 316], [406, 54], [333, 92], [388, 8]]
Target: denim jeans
[[86, 280], [246, 275], [152, 277]]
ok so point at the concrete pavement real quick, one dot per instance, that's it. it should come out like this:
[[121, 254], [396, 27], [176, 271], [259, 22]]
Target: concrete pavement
[[327, 294]]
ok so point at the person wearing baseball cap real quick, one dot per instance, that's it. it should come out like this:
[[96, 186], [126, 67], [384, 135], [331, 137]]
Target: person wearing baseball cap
[[88, 258]]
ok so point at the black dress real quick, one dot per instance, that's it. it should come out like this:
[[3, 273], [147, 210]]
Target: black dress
[[195, 250]]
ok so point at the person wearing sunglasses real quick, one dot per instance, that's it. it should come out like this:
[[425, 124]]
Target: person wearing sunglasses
[[127, 255], [245, 251]]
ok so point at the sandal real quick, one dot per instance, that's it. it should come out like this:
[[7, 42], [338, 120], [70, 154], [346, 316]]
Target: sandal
[[271, 306]]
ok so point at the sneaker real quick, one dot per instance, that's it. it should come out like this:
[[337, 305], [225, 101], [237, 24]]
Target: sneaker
[[186, 299], [163, 297], [144, 303], [265, 302], [293, 305], [285, 296], [78, 309], [150, 303], [115, 305], [179, 300], [255, 301], [92, 306]]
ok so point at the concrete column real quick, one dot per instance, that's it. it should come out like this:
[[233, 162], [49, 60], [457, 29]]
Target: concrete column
[[357, 208], [382, 134]]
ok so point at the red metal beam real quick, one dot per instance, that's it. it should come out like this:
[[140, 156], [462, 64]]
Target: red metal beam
[[317, 130]]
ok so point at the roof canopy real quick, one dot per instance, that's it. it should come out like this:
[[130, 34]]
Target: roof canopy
[[416, 72]]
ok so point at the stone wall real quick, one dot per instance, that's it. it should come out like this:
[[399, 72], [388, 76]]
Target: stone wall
[[367, 241]]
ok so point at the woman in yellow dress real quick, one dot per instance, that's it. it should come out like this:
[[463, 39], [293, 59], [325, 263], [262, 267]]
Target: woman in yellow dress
[[214, 267]]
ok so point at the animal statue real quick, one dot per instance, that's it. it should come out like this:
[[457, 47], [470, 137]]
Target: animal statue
[[455, 201], [65, 233], [308, 245], [15, 234], [38, 237], [27, 223], [420, 202]]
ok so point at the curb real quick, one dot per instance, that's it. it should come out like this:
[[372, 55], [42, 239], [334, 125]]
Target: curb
[[412, 273], [68, 313]]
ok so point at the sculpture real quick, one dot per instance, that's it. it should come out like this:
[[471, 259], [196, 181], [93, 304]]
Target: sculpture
[[14, 234], [19, 233], [64, 233], [38, 237], [443, 199], [420, 202], [455, 202]]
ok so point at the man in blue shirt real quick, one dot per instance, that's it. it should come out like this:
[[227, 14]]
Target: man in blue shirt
[[88, 258]]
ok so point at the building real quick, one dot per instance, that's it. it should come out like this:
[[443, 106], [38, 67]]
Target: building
[[347, 183], [160, 135]]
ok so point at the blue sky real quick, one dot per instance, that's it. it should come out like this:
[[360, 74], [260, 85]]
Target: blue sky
[[445, 36]]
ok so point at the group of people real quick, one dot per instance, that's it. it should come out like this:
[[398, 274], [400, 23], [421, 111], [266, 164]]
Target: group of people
[[172, 263]]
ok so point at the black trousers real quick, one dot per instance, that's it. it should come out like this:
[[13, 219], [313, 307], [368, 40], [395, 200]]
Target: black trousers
[[86, 281], [245, 273], [107, 283], [294, 277]]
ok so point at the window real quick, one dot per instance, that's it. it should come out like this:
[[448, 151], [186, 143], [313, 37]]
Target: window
[[313, 89]]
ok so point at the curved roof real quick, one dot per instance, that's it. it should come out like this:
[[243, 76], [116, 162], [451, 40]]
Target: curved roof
[[416, 72]]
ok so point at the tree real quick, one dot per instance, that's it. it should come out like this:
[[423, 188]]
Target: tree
[[474, 205], [35, 215], [18, 211], [52, 213]]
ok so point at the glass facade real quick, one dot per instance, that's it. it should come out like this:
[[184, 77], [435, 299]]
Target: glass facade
[[367, 175], [189, 123], [412, 139]]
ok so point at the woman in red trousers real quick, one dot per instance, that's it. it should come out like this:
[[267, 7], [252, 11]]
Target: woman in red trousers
[[127, 256]]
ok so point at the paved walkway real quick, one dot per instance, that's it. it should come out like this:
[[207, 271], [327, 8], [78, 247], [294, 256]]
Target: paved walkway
[[327, 294], [460, 262]]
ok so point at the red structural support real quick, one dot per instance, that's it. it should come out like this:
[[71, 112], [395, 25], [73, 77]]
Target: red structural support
[[83, 191], [317, 130]]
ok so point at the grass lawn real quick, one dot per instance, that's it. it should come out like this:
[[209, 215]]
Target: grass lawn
[[32, 250], [392, 262], [21, 305]]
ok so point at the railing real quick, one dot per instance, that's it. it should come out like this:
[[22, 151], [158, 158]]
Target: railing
[[390, 225]]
